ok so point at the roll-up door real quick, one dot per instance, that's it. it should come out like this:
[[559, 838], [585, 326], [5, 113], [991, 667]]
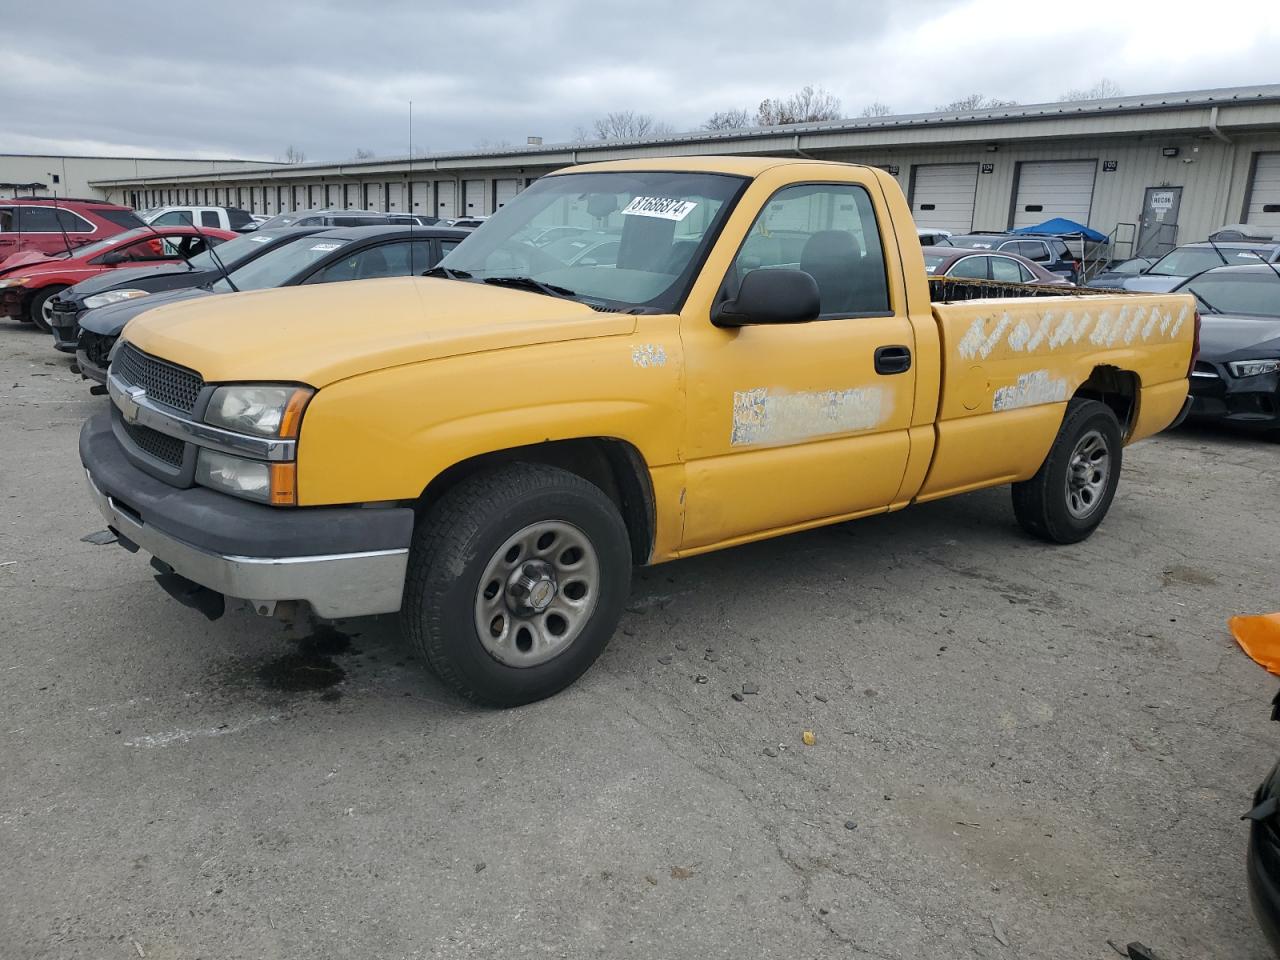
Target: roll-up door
[[942, 195], [395, 197], [504, 191], [473, 198], [1264, 191], [1054, 188], [422, 199], [448, 202]]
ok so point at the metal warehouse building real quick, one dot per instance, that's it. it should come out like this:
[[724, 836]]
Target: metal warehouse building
[[1149, 171]]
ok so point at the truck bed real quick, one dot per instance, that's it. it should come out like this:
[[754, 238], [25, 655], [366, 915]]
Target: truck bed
[[952, 290]]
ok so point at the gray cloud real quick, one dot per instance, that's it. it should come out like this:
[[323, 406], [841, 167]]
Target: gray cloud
[[232, 78]]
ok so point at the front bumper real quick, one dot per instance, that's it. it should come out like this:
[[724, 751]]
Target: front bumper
[[343, 561], [1246, 401], [65, 327]]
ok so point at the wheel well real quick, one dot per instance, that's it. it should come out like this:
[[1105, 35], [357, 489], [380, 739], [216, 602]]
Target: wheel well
[[1118, 389], [615, 466]]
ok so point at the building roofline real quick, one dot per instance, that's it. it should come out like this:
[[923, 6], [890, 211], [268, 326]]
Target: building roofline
[[542, 154], [96, 156]]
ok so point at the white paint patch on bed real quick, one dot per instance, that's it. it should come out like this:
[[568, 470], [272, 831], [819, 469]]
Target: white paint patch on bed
[[1021, 334], [977, 343], [1152, 321], [766, 417], [1101, 329], [1041, 333], [1031, 390], [1182, 316], [649, 355]]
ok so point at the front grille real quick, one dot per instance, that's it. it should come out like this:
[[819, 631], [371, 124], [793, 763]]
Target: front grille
[[153, 443], [96, 347], [164, 382]]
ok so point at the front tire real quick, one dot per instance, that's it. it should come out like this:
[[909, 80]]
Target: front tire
[[38, 308], [1073, 489], [517, 579]]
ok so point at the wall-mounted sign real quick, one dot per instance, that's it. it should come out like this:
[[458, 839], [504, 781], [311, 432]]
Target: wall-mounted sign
[[988, 168], [1109, 166]]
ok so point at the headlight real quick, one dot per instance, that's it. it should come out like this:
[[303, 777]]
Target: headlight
[[14, 282], [113, 296], [263, 410], [273, 483], [1252, 368]]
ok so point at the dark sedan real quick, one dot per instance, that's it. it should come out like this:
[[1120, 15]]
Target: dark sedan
[[67, 307], [968, 264], [351, 253], [1237, 374]]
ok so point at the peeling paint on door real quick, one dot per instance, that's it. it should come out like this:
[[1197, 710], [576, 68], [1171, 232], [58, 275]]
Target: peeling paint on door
[[762, 416]]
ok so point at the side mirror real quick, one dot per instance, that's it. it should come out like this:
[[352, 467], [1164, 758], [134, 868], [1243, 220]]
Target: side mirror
[[771, 296], [114, 257]]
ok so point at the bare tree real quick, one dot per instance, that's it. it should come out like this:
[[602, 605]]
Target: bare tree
[[876, 109], [628, 125], [975, 101], [805, 106], [1102, 90], [293, 155], [728, 120], [363, 154]]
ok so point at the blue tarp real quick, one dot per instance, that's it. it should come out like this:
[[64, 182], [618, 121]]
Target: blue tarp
[[1062, 227]]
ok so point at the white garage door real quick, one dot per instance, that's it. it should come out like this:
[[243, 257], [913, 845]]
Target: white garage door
[[1055, 188], [421, 200], [942, 196], [371, 197], [1264, 191], [473, 198], [505, 191], [395, 197], [447, 208]]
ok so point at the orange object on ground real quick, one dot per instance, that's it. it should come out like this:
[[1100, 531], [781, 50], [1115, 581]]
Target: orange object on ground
[[1259, 637]]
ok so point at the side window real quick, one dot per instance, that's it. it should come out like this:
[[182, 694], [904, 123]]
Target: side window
[[174, 218], [73, 223], [447, 246], [1060, 249], [1006, 270], [1031, 249], [421, 257], [209, 218], [830, 232], [154, 248], [970, 268], [38, 220], [8, 222]]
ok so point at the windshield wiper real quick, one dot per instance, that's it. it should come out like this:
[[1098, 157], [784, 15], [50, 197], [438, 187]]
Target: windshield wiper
[[447, 273], [528, 283], [1210, 306]]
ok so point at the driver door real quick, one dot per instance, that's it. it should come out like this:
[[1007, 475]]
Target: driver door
[[790, 424]]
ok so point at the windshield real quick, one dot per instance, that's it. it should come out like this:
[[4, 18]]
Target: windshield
[[282, 220], [91, 249], [1251, 295], [661, 223], [1188, 261], [279, 265], [232, 252], [932, 261]]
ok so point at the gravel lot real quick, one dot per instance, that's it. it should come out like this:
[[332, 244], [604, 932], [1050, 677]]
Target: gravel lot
[[1021, 751]]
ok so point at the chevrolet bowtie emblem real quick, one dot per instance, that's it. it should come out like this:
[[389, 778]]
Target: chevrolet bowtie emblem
[[129, 401]]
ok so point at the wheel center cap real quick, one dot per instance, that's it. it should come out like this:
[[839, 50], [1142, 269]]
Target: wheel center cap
[[541, 594]]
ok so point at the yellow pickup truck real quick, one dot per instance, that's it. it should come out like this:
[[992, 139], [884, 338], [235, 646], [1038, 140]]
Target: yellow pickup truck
[[629, 363]]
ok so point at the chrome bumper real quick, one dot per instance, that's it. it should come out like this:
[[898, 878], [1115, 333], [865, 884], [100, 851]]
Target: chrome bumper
[[339, 585]]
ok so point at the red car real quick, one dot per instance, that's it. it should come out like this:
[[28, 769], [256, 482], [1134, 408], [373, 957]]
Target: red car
[[29, 280], [41, 225]]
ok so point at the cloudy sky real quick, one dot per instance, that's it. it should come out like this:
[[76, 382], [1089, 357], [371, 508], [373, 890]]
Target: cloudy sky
[[238, 79]]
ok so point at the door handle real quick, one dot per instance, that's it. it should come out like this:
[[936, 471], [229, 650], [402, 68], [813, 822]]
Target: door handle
[[891, 360]]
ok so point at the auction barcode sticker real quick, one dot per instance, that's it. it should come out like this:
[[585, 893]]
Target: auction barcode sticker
[[664, 207]]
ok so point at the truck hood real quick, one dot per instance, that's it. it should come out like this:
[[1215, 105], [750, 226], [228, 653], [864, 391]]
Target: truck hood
[[112, 279], [318, 334], [1221, 336]]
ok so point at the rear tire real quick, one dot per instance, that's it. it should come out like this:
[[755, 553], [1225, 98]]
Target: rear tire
[[36, 307], [1073, 489], [517, 579]]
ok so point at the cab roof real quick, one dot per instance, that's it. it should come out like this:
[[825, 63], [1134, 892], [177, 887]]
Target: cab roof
[[736, 166]]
